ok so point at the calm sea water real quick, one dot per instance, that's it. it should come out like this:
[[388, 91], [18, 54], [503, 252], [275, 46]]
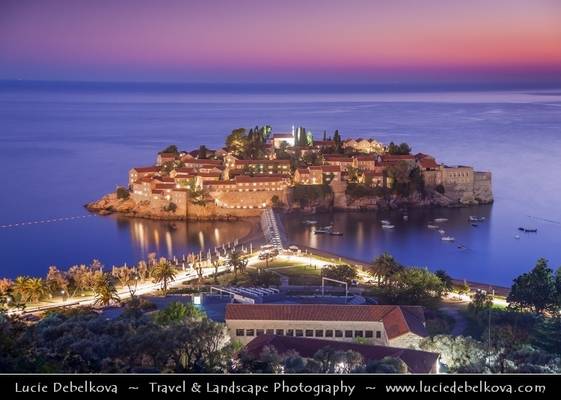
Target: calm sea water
[[62, 146]]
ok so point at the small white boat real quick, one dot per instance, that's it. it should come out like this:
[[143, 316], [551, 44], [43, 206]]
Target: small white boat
[[385, 222], [473, 218], [440, 219], [447, 238], [405, 217], [430, 226], [388, 226], [309, 222], [517, 236], [441, 231]]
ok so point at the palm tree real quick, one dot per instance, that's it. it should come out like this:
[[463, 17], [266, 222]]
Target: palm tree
[[237, 261], [385, 267], [105, 290], [29, 289], [163, 273]]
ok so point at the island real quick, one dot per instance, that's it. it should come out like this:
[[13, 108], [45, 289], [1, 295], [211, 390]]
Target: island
[[257, 169]]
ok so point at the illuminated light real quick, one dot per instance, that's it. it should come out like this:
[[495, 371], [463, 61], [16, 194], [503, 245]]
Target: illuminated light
[[197, 300]]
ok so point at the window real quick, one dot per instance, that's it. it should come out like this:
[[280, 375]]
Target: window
[[338, 333], [348, 333], [309, 332], [359, 334], [249, 332], [290, 332], [279, 332], [240, 332], [378, 334], [329, 333], [319, 333], [270, 331], [368, 334], [299, 332], [260, 332]]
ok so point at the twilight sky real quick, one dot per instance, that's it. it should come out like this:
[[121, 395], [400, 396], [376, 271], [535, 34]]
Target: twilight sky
[[282, 41]]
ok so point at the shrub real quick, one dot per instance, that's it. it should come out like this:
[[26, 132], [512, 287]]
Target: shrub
[[171, 207], [440, 188], [122, 193]]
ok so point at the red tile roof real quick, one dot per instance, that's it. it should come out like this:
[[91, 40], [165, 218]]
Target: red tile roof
[[282, 136], [397, 320], [336, 158], [428, 163], [147, 169], [417, 361], [262, 161], [390, 157]]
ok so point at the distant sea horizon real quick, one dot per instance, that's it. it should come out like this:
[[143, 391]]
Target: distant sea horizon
[[65, 144]]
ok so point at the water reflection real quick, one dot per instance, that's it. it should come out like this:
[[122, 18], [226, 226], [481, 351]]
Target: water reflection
[[411, 241], [179, 237]]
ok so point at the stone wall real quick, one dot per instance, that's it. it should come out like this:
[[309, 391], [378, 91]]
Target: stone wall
[[482, 187], [406, 341]]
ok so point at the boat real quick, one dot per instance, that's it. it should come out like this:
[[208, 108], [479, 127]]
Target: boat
[[432, 226], [447, 238], [320, 231], [440, 219], [385, 222], [517, 236], [461, 247], [388, 226], [528, 230], [405, 217], [309, 222], [441, 231], [474, 218], [336, 233], [475, 225]]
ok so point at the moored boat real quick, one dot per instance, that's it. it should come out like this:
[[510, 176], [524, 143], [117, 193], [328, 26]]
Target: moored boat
[[474, 218], [430, 226], [336, 233], [440, 219], [447, 238], [388, 226]]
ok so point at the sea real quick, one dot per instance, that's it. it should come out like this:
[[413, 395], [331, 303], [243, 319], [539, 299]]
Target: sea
[[65, 144]]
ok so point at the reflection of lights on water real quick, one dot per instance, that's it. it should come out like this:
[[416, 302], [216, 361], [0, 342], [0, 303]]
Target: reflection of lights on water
[[169, 244], [216, 235], [201, 239], [360, 233], [139, 235], [157, 238]]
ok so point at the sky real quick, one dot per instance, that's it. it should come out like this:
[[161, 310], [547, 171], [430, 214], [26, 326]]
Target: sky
[[350, 41]]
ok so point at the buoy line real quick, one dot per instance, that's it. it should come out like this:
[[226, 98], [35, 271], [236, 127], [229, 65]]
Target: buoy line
[[44, 221]]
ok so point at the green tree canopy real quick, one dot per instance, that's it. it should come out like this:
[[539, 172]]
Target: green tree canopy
[[535, 290]]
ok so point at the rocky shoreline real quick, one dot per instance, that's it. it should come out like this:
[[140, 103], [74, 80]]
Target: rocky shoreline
[[111, 204]]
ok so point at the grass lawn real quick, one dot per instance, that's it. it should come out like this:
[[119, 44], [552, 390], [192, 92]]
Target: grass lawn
[[299, 274]]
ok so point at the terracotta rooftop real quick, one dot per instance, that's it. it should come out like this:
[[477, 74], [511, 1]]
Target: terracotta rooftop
[[332, 157], [282, 136], [428, 163], [147, 169], [397, 320], [262, 161], [417, 361], [204, 161]]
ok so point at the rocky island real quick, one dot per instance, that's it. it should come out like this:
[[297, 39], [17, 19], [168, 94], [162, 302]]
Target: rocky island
[[294, 172]]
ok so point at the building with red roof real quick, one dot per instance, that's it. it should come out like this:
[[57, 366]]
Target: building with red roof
[[385, 325]]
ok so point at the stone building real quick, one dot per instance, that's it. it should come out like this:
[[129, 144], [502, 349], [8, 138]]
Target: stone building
[[364, 145], [386, 325]]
